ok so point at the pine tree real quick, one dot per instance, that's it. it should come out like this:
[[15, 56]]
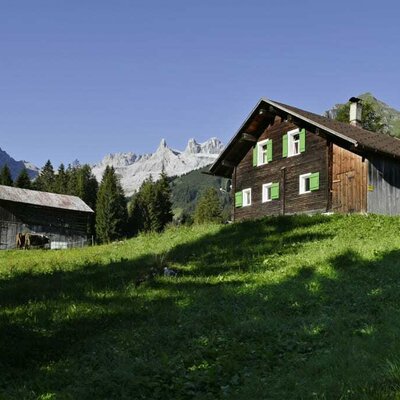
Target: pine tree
[[87, 188], [151, 207], [46, 180], [145, 206], [23, 181], [111, 212], [162, 204], [72, 178], [136, 215], [5, 176], [86, 185], [61, 181], [208, 208]]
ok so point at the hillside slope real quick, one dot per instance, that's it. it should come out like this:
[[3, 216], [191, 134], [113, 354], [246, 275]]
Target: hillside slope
[[280, 308], [188, 188]]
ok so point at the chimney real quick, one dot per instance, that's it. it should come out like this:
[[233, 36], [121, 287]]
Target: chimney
[[355, 111]]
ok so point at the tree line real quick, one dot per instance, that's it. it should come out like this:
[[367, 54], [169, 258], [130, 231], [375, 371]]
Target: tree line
[[150, 209]]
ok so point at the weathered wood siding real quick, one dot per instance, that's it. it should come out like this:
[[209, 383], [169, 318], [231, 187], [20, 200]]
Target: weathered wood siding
[[286, 171], [383, 186], [349, 183], [58, 225]]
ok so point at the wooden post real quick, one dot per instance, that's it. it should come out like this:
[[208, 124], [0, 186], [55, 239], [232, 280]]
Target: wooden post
[[233, 191], [329, 169], [283, 185]]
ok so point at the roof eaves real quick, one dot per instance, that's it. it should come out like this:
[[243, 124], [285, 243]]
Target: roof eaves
[[234, 138]]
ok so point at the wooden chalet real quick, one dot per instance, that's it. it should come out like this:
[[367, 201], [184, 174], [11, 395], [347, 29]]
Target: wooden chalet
[[63, 219], [284, 160]]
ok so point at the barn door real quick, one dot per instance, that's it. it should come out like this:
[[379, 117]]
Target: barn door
[[349, 182], [344, 192], [4, 236]]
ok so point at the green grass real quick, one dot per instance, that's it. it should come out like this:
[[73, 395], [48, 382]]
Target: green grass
[[279, 308]]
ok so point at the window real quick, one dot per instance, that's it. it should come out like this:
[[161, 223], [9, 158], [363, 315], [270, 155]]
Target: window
[[263, 152], [243, 198], [293, 143], [270, 191], [304, 183], [266, 192], [308, 182], [246, 197]]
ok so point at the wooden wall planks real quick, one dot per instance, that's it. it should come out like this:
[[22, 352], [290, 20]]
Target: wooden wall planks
[[287, 172], [349, 181], [384, 186]]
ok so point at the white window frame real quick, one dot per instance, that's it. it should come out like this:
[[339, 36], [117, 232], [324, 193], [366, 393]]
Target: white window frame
[[265, 188], [291, 142], [260, 152], [302, 185], [244, 198]]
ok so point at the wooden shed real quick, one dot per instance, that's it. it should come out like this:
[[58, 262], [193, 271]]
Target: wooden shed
[[285, 160], [63, 219]]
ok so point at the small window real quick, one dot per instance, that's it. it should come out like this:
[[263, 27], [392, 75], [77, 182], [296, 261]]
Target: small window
[[246, 197], [293, 142], [304, 183], [266, 192], [263, 152]]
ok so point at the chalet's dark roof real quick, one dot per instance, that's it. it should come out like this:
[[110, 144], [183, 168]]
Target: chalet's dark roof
[[43, 199], [371, 140], [354, 136]]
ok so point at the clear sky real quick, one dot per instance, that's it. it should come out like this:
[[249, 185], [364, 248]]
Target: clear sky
[[82, 78]]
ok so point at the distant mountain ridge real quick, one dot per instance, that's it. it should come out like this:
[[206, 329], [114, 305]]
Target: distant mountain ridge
[[390, 116], [16, 166], [134, 169]]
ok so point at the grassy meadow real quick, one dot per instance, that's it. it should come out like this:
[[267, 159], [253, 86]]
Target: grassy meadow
[[279, 308]]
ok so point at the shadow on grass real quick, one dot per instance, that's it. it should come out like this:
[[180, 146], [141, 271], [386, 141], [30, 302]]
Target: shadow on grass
[[90, 333]]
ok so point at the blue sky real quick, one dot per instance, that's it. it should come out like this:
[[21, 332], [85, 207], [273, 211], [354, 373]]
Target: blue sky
[[82, 78]]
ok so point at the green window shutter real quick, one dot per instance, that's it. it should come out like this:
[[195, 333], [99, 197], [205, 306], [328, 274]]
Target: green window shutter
[[302, 140], [284, 145], [269, 151], [314, 181], [238, 199], [255, 156], [275, 191]]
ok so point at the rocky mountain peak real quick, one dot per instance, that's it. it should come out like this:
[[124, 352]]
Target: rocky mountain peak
[[163, 144], [192, 147], [212, 146], [118, 159]]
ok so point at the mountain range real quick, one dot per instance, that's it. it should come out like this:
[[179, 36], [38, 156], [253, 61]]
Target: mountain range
[[134, 169], [16, 166]]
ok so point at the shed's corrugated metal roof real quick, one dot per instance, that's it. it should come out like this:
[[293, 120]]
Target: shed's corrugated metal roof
[[43, 199]]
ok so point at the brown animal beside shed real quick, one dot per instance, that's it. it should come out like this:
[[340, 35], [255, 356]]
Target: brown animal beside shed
[[20, 240]]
